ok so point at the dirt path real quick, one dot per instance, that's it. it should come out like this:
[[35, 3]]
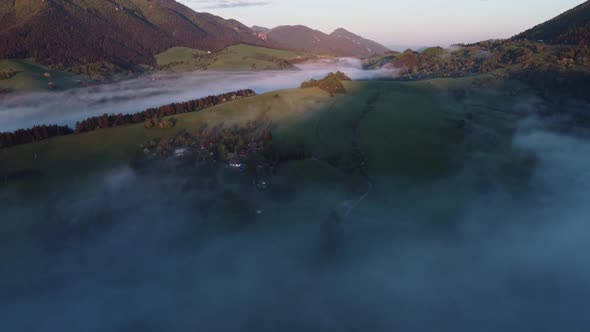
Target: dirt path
[[369, 107], [334, 221]]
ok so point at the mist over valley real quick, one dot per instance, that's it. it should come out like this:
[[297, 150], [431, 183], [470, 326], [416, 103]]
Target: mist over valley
[[164, 169]]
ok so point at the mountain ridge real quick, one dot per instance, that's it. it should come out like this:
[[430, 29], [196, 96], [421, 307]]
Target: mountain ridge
[[570, 28], [339, 43], [121, 32]]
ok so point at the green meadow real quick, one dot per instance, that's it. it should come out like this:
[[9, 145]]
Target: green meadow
[[403, 129], [29, 76], [238, 57], [410, 134]]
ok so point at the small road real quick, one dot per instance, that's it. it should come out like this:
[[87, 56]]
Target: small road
[[334, 221]]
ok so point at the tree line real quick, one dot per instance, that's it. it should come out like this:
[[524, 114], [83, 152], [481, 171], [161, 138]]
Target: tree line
[[42, 132], [115, 120], [37, 133]]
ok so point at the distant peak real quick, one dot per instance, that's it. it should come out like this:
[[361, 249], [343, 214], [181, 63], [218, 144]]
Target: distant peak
[[298, 26], [341, 31], [258, 28]]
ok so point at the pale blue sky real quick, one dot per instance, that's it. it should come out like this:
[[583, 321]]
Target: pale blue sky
[[393, 22]]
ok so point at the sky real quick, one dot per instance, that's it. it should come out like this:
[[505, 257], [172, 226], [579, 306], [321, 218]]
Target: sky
[[394, 22]]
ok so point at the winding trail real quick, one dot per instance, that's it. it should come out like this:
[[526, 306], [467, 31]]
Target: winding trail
[[370, 107], [345, 208]]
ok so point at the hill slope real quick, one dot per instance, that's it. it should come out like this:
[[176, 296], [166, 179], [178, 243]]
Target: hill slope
[[23, 76], [238, 57], [257, 28], [571, 27], [294, 116], [339, 43], [122, 32], [370, 46]]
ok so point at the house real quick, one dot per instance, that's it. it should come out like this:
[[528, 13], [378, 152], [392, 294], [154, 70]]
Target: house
[[261, 184], [182, 152], [235, 163]]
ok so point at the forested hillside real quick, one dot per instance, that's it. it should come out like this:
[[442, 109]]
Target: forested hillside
[[571, 27], [70, 33]]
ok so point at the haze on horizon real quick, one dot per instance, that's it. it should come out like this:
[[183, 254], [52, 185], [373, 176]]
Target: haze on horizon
[[412, 23]]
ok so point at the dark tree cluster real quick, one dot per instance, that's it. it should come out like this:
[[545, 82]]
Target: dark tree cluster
[[331, 83], [4, 75], [115, 120], [37, 133], [571, 28], [42, 132], [521, 59], [216, 142]]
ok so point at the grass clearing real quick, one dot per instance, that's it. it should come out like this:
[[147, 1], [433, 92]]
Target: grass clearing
[[80, 154], [404, 129], [30, 77], [238, 57], [408, 133], [178, 54]]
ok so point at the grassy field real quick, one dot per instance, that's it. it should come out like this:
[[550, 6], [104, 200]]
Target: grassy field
[[415, 152], [406, 133], [404, 129], [83, 153], [239, 57], [323, 125], [180, 59], [30, 77]]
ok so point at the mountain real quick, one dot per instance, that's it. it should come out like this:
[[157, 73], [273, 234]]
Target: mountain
[[370, 46], [339, 43], [571, 27], [257, 28], [66, 33]]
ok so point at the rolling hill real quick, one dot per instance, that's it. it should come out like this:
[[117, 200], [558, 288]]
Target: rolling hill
[[69, 33], [571, 27], [257, 28], [237, 57], [389, 129], [24, 76], [370, 46], [552, 57], [294, 116], [338, 43]]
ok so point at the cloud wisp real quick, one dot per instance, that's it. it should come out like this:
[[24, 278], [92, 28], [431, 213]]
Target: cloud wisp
[[224, 4]]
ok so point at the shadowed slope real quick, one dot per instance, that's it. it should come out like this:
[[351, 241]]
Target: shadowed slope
[[123, 32], [339, 43], [571, 27]]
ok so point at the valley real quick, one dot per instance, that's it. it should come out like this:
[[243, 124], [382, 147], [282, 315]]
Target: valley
[[163, 168]]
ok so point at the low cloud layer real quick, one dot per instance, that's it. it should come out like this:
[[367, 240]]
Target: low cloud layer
[[23, 111], [223, 4], [512, 261]]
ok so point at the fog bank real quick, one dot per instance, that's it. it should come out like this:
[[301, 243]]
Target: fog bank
[[130, 96], [510, 262]]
